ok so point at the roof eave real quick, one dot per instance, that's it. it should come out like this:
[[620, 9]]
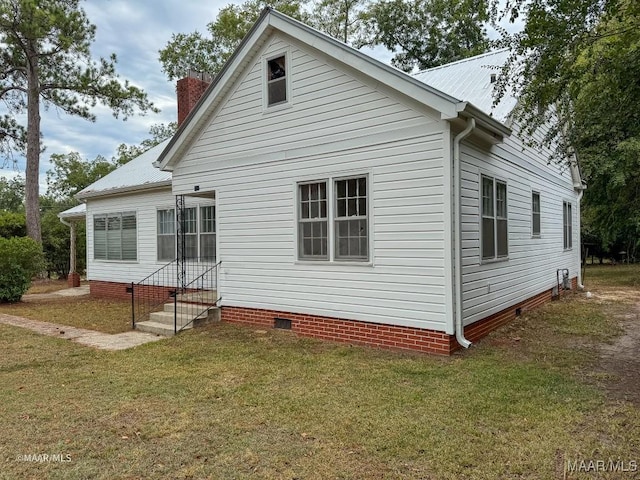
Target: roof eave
[[123, 190]]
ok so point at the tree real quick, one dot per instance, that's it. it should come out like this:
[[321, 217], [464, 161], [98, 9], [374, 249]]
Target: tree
[[428, 33], [46, 59], [342, 19], [208, 53], [12, 194], [71, 173], [575, 68], [159, 133]]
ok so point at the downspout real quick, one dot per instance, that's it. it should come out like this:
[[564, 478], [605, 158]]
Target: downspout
[[580, 285], [576, 178], [457, 225]]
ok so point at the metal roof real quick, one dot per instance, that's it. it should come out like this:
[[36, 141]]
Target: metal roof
[[133, 175], [79, 211], [469, 80]]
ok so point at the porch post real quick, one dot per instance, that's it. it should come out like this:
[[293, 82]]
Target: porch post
[[73, 279]]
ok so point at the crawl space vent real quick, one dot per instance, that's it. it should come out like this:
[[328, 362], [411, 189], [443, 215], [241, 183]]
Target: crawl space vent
[[283, 323]]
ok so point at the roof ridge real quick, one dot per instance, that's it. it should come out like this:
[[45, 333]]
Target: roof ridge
[[463, 60]]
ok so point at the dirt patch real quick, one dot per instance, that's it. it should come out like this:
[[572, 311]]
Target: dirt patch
[[620, 360]]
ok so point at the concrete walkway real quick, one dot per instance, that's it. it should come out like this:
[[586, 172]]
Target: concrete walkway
[[89, 338]]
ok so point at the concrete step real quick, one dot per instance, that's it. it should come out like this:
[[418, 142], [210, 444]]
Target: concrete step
[[191, 309], [167, 318], [206, 296], [157, 328]]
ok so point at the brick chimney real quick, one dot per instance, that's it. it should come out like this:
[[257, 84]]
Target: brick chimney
[[190, 89]]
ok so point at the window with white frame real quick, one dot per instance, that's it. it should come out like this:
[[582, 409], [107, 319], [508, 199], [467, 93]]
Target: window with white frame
[[312, 221], [494, 223], [190, 230], [277, 80], [208, 233], [535, 214], [349, 220], [115, 236], [199, 233], [166, 235], [567, 225], [351, 231]]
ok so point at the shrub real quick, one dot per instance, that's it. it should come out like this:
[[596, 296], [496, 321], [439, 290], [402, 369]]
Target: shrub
[[12, 225], [20, 259]]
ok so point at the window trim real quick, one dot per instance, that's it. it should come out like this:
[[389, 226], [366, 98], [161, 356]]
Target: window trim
[[265, 83], [535, 234], [495, 180], [330, 180], [106, 216], [567, 227]]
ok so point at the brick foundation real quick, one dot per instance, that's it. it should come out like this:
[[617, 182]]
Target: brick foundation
[[350, 331], [380, 335], [101, 289]]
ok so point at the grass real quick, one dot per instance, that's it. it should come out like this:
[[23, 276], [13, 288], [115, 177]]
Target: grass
[[610, 276], [232, 402], [109, 316], [47, 285]]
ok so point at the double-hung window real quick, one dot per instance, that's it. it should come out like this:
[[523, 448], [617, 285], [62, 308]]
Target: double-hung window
[[115, 236], [166, 235], [199, 228], [312, 221], [494, 223], [347, 217], [567, 225], [208, 233], [535, 214]]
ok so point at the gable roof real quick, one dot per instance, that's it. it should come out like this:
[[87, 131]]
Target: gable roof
[[137, 174], [270, 20]]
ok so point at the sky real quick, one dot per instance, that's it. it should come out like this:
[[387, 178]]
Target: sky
[[134, 30]]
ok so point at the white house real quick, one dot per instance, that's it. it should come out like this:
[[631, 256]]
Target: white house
[[349, 200]]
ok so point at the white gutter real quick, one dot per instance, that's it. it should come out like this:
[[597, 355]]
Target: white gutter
[[471, 124]]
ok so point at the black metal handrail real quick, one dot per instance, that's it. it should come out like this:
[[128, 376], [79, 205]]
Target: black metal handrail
[[200, 295], [154, 291]]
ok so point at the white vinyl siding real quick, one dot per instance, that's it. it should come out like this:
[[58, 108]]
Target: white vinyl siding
[[530, 269], [339, 127], [114, 236], [567, 225]]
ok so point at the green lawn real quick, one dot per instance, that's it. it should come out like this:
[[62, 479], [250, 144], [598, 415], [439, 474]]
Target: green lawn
[[233, 402]]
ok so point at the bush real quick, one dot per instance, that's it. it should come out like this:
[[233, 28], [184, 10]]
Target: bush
[[12, 225], [20, 259]]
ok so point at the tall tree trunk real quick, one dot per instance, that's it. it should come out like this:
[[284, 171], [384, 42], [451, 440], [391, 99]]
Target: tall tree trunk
[[32, 183]]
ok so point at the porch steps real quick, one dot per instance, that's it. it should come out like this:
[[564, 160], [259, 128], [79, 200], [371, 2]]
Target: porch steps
[[189, 315]]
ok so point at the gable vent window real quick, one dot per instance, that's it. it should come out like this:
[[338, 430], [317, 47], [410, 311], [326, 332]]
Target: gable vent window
[[277, 80]]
